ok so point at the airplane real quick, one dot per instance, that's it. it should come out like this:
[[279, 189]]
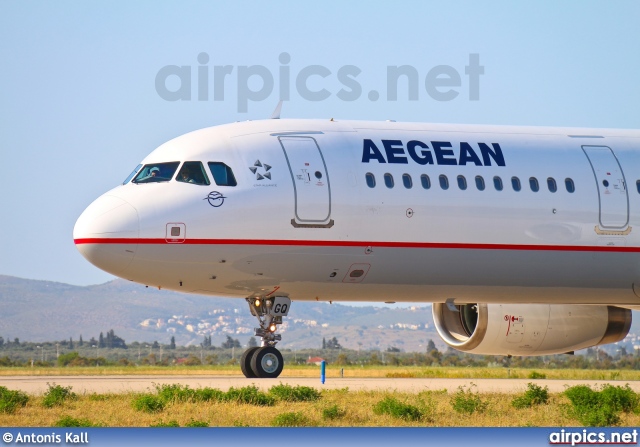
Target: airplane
[[525, 239]]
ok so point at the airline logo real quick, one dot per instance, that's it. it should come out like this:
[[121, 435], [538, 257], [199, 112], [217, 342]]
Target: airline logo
[[436, 152], [265, 170]]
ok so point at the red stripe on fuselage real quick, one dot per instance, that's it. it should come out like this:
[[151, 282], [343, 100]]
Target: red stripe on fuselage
[[376, 244]]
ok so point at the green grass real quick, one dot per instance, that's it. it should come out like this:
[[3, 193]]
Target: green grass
[[163, 424], [285, 405], [193, 423], [333, 412], [399, 410], [249, 395], [68, 421], [291, 419], [333, 371], [148, 403], [296, 393]]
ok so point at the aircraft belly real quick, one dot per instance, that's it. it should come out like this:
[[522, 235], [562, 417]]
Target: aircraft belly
[[390, 274]]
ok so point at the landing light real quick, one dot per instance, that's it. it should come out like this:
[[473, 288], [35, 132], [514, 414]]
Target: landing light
[[272, 327], [257, 303]]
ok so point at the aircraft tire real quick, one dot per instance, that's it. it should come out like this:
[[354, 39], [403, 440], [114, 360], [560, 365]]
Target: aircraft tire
[[245, 363], [267, 362]]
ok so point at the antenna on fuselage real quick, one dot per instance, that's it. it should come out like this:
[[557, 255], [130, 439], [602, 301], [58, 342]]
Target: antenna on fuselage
[[276, 113]]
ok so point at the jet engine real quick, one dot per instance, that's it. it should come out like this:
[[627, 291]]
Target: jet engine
[[529, 329]]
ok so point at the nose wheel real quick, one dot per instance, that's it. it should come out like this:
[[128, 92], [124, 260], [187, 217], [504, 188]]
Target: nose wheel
[[265, 361], [245, 363]]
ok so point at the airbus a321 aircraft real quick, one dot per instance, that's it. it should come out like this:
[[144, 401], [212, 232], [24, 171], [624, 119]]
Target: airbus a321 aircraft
[[527, 240]]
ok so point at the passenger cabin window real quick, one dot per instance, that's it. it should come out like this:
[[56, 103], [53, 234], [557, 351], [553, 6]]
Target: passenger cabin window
[[515, 183], [426, 181], [370, 179], [193, 172], [497, 183], [388, 180], [156, 172], [551, 184], [407, 181], [134, 172], [479, 183], [222, 174], [568, 183], [444, 182], [533, 184], [462, 182]]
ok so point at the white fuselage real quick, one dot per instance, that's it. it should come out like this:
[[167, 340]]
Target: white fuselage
[[303, 219]]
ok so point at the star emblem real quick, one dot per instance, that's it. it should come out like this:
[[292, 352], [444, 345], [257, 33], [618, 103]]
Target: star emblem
[[259, 166]]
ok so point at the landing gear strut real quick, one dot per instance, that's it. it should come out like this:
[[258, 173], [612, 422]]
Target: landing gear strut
[[265, 361]]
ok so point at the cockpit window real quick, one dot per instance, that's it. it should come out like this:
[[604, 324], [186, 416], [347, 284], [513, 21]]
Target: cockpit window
[[222, 174], [193, 172], [156, 172], [134, 172]]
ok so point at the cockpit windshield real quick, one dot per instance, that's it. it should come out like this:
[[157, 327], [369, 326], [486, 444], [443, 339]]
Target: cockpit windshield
[[134, 172], [193, 172], [156, 172]]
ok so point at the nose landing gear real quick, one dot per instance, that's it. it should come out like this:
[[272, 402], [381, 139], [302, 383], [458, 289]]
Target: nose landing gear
[[265, 361]]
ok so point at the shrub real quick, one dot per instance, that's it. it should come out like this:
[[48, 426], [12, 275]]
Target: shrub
[[148, 403], [601, 408], [175, 393], [467, 401], [332, 412], [65, 359], [294, 393], [68, 421], [163, 424], [393, 407], [293, 419], [535, 395], [182, 393], [249, 395], [194, 423], [10, 400], [537, 375], [620, 398], [209, 394], [56, 395]]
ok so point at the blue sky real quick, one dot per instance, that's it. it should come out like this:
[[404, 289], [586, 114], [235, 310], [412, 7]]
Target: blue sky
[[80, 109]]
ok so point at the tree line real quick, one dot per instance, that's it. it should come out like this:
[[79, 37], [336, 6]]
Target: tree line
[[111, 349]]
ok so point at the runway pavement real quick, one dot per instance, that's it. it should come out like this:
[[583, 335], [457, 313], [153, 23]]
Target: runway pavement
[[140, 383]]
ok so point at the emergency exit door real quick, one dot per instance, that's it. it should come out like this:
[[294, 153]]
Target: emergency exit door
[[312, 191], [612, 187]]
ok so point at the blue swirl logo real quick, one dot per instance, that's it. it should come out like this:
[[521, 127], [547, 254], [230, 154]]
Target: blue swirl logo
[[215, 199]]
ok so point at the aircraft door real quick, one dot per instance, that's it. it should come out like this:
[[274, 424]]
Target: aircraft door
[[611, 184], [310, 181]]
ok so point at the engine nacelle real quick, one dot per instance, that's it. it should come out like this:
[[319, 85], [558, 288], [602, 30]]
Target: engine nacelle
[[529, 329]]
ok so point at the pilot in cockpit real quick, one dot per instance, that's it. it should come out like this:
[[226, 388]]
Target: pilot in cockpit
[[185, 176]]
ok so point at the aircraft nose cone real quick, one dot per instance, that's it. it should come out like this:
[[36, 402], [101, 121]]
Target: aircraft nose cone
[[106, 234]]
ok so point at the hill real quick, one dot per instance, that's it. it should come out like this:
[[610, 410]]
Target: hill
[[44, 310]]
